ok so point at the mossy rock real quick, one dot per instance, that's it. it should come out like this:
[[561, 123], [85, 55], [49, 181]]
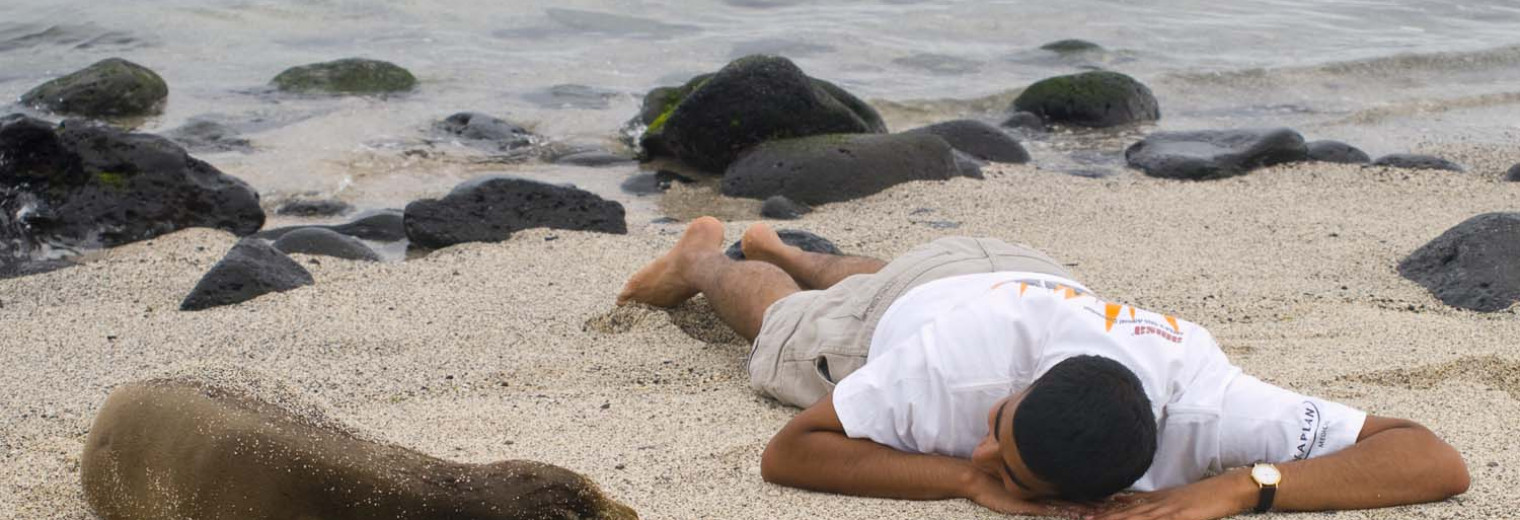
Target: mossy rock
[[708, 121], [346, 76], [658, 104], [113, 87], [1096, 99]]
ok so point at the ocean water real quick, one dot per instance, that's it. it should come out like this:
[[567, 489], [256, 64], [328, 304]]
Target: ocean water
[[1385, 75]]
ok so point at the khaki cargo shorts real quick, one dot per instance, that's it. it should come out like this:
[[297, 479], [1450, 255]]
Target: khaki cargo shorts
[[813, 339]]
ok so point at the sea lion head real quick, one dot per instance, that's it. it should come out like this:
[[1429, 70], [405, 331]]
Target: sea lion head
[[528, 489]]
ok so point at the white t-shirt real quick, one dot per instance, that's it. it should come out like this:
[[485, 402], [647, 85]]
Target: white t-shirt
[[947, 350]]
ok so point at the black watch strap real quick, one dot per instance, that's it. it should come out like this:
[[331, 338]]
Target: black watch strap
[[1264, 500]]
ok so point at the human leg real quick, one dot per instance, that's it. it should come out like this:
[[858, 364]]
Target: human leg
[[740, 291], [810, 270]]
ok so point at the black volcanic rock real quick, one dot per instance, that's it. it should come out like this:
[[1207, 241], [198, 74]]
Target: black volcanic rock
[[645, 183], [1475, 265], [754, 99], [314, 208], [1336, 152], [113, 87], [593, 159], [478, 128], [1026, 121], [1071, 46], [384, 225], [325, 242], [1096, 99], [250, 269], [832, 168], [969, 166], [1411, 161], [782, 208], [977, 139], [1214, 154], [804, 240], [1513, 175], [492, 208], [82, 185]]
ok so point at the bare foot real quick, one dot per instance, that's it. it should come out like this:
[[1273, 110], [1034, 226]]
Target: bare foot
[[761, 243], [661, 283]]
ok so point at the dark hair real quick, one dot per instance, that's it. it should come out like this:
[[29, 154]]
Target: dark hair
[[1086, 427]]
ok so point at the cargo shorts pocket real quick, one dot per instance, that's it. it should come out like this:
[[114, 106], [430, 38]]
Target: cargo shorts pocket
[[832, 368]]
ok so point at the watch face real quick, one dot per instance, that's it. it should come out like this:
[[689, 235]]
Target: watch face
[[1265, 475]]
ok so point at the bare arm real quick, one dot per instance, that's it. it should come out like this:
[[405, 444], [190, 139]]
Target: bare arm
[[812, 452], [1394, 462]]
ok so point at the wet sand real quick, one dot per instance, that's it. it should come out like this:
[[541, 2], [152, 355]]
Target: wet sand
[[510, 350]]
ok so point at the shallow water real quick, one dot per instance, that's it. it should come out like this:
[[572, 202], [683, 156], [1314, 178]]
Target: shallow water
[[1386, 75]]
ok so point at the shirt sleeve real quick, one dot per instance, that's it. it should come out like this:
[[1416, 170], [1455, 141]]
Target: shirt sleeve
[[1260, 422], [882, 399]]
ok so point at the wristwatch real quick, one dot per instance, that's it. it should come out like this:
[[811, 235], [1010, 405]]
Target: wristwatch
[[1266, 478]]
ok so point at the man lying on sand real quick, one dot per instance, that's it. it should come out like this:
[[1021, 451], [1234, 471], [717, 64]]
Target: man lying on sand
[[972, 368]]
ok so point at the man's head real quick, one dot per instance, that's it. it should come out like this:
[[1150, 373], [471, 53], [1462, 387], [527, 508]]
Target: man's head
[[1082, 431]]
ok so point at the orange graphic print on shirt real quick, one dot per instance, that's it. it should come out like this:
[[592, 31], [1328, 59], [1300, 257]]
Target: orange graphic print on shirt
[[1112, 314]]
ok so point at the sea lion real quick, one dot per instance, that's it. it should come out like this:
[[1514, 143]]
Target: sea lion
[[164, 449]]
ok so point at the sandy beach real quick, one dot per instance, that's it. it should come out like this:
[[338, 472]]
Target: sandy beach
[[514, 350]]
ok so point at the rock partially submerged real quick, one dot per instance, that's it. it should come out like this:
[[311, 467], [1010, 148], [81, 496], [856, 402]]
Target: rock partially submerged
[[179, 448], [1096, 99], [1474, 265], [977, 139], [492, 208], [754, 99], [206, 136], [325, 242], [82, 185], [1336, 152], [483, 129], [833, 168], [113, 87], [573, 96], [346, 76], [1411, 161], [804, 240], [1214, 154], [252, 268], [1071, 46]]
